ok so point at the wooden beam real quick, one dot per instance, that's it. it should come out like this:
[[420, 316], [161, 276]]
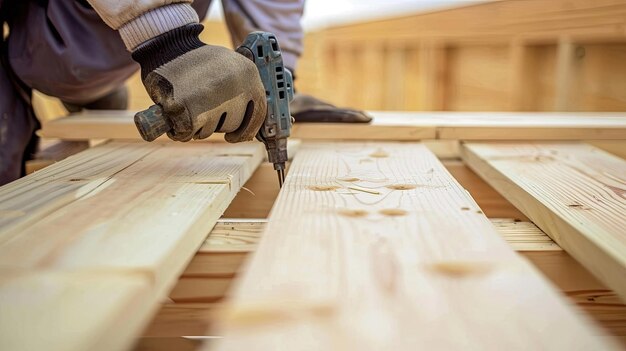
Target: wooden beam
[[432, 78], [396, 126], [574, 192], [530, 126], [566, 78], [375, 246], [90, 245]]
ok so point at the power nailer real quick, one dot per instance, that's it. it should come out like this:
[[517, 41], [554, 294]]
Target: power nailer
[[262, 48]]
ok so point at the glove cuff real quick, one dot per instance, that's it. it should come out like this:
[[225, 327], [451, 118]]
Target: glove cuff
[[167, 47]]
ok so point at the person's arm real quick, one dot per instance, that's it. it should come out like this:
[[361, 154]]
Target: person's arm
[[201, 88]]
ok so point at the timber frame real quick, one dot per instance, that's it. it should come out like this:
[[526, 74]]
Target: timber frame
[[533, 181]]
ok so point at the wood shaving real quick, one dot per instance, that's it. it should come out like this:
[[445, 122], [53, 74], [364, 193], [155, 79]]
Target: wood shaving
[[364, 190], [348, 179]]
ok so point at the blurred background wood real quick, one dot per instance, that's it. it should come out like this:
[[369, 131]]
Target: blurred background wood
[[532, 55]]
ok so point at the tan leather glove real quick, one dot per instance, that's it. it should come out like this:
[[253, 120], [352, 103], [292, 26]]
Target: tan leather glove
[[201, 88]]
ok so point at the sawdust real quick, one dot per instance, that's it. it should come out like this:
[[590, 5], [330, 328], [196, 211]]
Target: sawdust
[[401, 186], [323, 187], [392, 212], [352, 212], [460, 269]]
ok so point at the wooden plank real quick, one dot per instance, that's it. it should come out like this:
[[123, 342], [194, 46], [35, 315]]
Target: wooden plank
[[119, 211], [574, 192], [72, 310], [240, 236], [258, 196], [219, 259], [396, 126], [615, 147], [375, 246], [523, 236], [531, 126]]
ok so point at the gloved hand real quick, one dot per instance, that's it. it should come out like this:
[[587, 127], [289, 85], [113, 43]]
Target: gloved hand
[[201, 88]]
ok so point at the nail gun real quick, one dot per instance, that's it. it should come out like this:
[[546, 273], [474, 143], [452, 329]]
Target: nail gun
[[262, 48]]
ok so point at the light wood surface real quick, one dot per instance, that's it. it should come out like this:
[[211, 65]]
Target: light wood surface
[[389, 261], [91, 245], [231, 240], [574, 192], [397, 126]]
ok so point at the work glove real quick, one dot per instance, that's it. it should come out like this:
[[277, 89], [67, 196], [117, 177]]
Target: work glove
[[202, 88], [308, 109]]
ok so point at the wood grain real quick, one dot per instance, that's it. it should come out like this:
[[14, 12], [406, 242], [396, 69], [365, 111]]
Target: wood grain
[[131, 214], [240, 236], [574, 192], [389, 261]]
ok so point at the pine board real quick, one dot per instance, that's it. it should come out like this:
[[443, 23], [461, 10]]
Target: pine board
[[127, 212], [231, 240], [333, 272], [395, 126], [574, 192]]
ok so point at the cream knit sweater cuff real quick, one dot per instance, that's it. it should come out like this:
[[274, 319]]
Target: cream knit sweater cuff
[[156, 22]]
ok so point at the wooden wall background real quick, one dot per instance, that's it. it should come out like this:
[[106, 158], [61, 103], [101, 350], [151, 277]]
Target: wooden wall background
[[517, 55], [511, 55]]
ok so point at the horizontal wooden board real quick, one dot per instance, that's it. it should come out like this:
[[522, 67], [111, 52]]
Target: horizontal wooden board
[[72, 310], [129, 213], [397, 126], [375, 246], [238, 237], [574, 192]]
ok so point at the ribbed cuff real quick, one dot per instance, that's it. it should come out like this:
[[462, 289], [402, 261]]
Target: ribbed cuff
[[156, 22], [166, 47]]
